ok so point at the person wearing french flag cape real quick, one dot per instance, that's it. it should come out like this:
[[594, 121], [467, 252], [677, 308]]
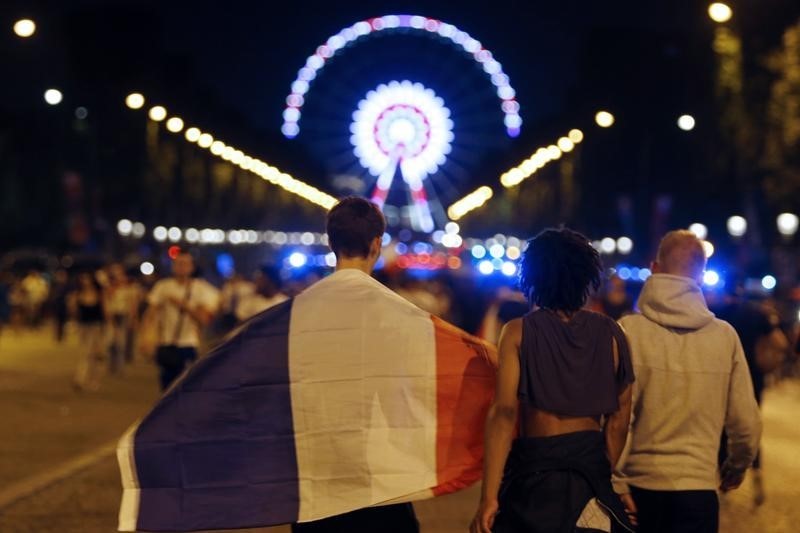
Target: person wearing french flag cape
[[331, 411]]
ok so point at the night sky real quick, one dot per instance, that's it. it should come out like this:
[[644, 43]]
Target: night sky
[[229, 66]]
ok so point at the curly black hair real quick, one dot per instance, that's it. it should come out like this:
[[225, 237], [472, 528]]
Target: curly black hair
[[558, 270]]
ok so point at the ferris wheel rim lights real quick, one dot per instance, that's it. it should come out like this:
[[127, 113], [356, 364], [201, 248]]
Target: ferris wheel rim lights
[[301, 85]]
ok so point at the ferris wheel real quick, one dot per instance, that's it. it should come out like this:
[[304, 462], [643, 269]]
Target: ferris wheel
[[401, 132]]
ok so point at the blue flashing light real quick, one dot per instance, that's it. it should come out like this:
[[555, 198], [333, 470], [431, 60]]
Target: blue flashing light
[[401, 248], [769, 282], [298, 260], [624, 273], [225, 265]]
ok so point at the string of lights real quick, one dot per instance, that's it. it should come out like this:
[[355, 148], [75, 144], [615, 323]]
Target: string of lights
[[540, 158], [472, 201], [237, 157], [518, 174]]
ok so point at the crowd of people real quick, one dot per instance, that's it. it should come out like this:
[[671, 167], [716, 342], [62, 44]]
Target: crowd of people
[[664, 393], [120, 316]]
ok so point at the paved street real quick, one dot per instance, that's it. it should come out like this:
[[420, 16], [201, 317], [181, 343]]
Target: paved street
[[46, 425]]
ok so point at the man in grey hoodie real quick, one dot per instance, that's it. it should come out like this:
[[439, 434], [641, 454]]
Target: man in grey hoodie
[[692, 382]]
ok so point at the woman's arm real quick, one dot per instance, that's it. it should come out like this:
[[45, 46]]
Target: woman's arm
[[500, 424], [616, 428]]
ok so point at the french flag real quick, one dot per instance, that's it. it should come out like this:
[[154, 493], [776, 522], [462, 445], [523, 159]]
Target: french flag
[[345, 397]]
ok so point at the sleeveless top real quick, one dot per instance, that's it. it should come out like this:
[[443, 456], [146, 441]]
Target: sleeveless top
[[567, 368]]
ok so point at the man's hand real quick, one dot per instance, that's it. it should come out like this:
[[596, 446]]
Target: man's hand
[[484, 518], [630, 507], [730, 479]]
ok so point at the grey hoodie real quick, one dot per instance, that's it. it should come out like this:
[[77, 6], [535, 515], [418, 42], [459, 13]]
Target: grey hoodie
[[692, 381]]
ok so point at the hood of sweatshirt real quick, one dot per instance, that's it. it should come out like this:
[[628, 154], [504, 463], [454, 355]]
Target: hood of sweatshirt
[[674, 302]]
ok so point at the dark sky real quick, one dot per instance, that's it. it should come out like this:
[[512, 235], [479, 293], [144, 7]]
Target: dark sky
[[228, 66], [248, 53]]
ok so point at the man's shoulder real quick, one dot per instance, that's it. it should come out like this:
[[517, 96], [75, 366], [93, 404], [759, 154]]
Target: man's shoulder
[[164, 284], [206, 289]]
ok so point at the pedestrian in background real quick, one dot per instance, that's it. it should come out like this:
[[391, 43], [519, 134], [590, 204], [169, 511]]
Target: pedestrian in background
[[59, 292], [35, 289], [692, 381], [266, 294], [5, 299], [87, 304], [765, 347], [236, 289], [179, 308], [122, 302]]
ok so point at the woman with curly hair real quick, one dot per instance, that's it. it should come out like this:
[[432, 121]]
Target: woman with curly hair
[[564, 380]]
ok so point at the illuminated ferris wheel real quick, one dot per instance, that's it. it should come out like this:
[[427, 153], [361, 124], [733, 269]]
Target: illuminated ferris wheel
[[402, 133]]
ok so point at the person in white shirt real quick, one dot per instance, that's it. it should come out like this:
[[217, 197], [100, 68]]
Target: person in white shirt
[[233, 291], [179, 307], [266, 294], [692, 382]]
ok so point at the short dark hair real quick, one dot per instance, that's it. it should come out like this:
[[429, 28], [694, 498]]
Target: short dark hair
[[558, 270], [352, 225]]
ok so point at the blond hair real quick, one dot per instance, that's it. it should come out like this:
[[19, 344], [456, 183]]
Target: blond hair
[[681, 253]]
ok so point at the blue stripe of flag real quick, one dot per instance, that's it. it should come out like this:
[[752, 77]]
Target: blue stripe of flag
[[218, 450]]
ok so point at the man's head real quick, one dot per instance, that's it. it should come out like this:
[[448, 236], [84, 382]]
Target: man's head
[[355, 227], [183, 265], [117, 273], [681, 253]]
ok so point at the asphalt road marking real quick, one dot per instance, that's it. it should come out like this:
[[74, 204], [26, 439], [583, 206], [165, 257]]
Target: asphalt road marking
[[29, 486]]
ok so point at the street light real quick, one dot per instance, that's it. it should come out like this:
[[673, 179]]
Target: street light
[[686, 122], [565, 144], [708, 248], [604, 119], [624, 245], [575, 135], [205, 140], [134, 101], [720, 12], [175, 124], [53, 96], [737, 226], [608, 245], [24, 28], [700, 230], [157, 113], [192, 135], [787, 224], [217, 147]]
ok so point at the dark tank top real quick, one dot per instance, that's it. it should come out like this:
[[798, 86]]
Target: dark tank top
[[567, 368]]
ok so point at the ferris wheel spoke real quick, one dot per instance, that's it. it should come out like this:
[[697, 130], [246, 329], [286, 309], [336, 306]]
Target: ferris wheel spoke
[[384, 183]]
